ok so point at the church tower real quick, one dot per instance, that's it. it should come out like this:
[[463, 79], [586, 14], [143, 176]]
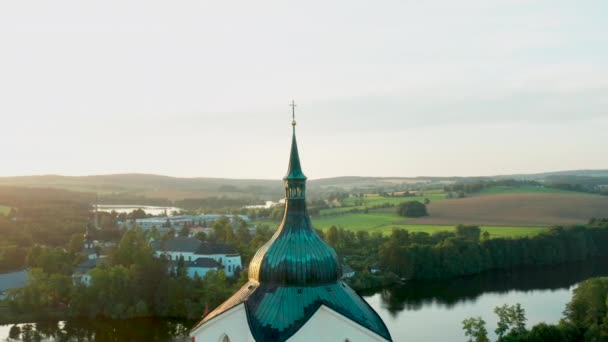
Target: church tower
[[294, 292], [87, 238]]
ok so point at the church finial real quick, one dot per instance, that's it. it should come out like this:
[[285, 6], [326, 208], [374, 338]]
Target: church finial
[[293, 113]]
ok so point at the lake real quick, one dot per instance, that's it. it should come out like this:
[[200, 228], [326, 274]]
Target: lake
[[127, 208], [418, 311]]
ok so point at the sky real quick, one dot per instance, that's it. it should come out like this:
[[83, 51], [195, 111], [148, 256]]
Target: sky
[[383, 88]]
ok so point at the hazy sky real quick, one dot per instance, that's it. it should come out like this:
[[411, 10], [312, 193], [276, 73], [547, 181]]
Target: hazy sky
[[384, 88]]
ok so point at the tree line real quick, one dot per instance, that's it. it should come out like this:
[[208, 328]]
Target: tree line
[[465, 250], [468, 251], [130, 282], [585, 320]]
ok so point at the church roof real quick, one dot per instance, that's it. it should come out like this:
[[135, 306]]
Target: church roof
[[86, 266], [179, 244], [275, 313], [295, 273]]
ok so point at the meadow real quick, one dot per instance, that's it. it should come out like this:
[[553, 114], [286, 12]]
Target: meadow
[[385, 222], [4, 210], [371, 200]]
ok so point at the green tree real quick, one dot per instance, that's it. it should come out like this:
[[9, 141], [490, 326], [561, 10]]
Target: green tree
[[181, 272], [475, 329], [412, 209], [332, 236], [76, 244], [543, 332], [471, 233], [588, 309], [133, 248], [511, 320], [184, 231]]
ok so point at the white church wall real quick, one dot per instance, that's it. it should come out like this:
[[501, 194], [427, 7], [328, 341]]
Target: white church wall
[[232, 323], [230, 262], [200, 271], [326, 325]]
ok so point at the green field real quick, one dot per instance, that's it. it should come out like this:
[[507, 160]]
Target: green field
[[4, 210], [385, 222], [372, 200]]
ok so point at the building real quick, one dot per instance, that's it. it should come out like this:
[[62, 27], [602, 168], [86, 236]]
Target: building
[[177, 222], [225, 256], [89, 244], [81, 273], [294, 291], [201, 266], [93, 259]]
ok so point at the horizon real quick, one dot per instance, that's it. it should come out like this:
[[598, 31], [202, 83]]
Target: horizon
[[448, 89], [310, 179]]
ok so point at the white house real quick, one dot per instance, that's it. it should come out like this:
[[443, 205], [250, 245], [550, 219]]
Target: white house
[[201, 266], [81, 274], [192, 249]]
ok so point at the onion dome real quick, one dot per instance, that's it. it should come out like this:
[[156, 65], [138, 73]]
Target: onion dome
[[295, 255]]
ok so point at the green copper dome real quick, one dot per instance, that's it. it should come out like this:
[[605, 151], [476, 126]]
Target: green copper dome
[[295, 255]]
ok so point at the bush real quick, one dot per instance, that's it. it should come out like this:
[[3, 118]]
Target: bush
[[412, 209]]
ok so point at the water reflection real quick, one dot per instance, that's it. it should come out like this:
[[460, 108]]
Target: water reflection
[[98, 330], [417, 294], [148, 209]]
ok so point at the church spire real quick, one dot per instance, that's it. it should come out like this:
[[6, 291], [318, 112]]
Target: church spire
[[294, 171]]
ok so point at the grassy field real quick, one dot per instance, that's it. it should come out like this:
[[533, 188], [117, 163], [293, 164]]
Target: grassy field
[[4, 210], [385, 222], [375, 200]]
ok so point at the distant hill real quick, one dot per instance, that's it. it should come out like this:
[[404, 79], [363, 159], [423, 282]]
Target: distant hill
[[133, 186], [152, 186], [545, 175]]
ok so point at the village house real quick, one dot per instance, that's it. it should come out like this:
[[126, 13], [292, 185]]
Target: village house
[[198, 256]]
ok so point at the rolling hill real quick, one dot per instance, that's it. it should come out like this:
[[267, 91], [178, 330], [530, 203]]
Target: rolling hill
[[174, 188]]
